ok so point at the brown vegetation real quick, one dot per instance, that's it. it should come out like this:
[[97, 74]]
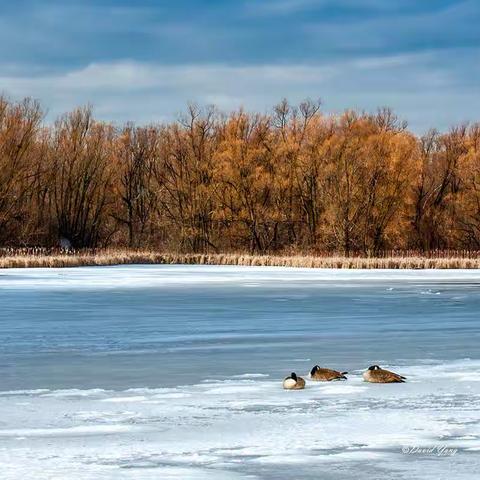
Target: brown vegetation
[[295, 182], [393, 260]]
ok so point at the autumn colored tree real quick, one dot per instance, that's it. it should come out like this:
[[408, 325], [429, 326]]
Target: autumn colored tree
[[19, 125], [295, 181], [436, 188], [343, 184], [297, 161], [390, 161], [245, 182], [468, 199]]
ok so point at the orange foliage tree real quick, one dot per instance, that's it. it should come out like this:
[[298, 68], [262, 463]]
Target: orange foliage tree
[[294, 181]]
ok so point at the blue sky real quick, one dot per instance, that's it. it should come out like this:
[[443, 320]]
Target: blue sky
[[144, 60]]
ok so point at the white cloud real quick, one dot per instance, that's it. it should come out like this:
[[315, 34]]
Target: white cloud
[[132, 90], [421, 88]]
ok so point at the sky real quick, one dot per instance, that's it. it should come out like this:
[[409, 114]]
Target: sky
[[144, 60]]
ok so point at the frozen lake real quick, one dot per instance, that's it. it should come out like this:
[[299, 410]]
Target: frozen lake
[[174, 372]]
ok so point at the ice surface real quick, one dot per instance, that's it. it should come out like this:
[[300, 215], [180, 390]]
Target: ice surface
[[176, 373], [154, 275], [247, 428]]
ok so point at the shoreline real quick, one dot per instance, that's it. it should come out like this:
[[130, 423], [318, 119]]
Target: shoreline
[[125, 257]]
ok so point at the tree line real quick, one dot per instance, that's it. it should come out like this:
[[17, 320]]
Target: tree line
[[294, 181]]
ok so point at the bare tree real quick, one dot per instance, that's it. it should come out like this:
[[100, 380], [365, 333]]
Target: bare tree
[[136, 156], [81, 169]]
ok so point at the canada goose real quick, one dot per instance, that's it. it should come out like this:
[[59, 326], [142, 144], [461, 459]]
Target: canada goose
[[375, 374], [293, 382], [326, 375]]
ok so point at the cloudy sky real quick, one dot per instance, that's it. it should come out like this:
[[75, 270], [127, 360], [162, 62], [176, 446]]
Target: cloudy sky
[[143, 60]]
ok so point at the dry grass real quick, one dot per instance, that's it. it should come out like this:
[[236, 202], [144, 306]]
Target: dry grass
[[41, 258]]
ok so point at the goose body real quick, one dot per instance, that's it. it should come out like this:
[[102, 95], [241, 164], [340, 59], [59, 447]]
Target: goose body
[[326, 375], [293, 382], [375, 374]]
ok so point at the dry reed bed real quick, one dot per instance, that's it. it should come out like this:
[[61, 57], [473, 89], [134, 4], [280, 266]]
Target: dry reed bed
[[138, 257]]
